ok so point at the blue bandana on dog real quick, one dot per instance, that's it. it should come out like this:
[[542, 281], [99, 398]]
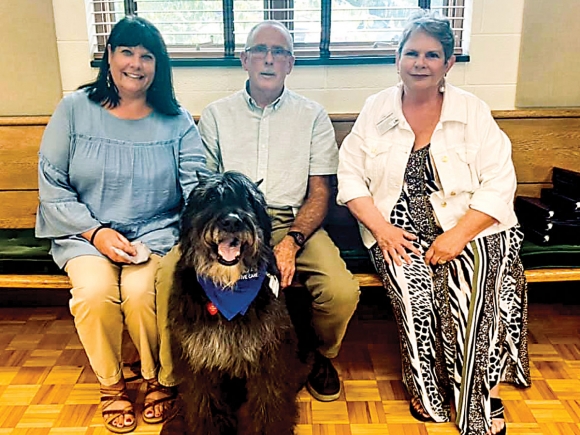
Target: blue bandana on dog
[[236, 300]]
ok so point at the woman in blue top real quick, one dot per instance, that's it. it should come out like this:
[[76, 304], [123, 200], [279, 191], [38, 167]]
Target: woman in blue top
[[117, 161]]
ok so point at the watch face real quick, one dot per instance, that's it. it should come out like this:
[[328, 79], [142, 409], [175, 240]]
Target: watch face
[[298, 237]]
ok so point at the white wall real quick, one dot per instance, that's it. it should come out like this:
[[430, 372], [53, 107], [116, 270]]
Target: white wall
[[29, 76], [491, 74], [549, 62]]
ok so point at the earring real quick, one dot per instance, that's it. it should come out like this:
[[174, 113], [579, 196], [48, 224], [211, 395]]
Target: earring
[[442, 86], [110, 82]]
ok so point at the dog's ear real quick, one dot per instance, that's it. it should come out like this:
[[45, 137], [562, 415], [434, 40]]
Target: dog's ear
[[259, 205], [260, 181]]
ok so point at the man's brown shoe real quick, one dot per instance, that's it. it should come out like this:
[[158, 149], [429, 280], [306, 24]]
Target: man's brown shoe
[[323, 382]]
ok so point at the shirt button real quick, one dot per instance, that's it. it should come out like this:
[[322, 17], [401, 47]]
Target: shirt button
[[453, 193], [444, 159], [443, 204]]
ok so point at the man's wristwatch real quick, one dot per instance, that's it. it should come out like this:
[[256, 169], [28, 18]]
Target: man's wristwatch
[[298, 237]]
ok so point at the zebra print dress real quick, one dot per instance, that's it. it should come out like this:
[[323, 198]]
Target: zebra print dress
[[462, 325]]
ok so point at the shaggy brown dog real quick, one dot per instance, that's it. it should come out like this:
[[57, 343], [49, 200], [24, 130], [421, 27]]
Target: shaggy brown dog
[[235, 346]]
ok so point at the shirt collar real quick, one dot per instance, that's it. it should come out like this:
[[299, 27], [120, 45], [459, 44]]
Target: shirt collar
[[274, 105], [454, 105]]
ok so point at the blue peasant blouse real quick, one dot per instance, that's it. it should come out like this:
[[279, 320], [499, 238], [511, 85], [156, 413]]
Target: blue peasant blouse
[[132, 175]]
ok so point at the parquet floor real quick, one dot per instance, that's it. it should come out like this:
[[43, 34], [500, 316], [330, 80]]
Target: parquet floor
[[48, 388]]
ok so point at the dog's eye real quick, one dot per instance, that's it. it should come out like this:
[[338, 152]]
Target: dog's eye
[[211, 197]]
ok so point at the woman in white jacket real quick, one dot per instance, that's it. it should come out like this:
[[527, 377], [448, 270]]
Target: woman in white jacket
[[428, 174]]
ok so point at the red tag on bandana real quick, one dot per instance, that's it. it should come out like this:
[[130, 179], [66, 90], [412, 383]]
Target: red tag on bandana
[[211, 308]]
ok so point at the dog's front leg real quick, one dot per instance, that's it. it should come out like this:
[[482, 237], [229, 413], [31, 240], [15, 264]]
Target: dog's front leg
[[271, 404], [206, 411]]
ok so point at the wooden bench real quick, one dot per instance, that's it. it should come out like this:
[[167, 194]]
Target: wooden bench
[[541, 139]]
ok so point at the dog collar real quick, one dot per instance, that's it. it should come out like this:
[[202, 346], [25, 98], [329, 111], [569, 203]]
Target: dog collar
[[236, 300]]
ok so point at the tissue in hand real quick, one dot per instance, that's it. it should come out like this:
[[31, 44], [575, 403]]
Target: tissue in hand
[[142, 255]]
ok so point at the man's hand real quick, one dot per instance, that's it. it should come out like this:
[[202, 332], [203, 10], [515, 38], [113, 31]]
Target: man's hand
[[285, 253], [107, 239], [308, 219]]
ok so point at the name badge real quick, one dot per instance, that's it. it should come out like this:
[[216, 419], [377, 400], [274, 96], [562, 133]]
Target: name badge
[[274, 284], [387, 123]]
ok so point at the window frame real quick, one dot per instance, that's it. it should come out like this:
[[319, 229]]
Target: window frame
[[322, 54]]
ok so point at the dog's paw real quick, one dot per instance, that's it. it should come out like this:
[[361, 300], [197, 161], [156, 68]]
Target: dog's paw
[[175, 426]]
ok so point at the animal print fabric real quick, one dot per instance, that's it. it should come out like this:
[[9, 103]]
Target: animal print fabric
[[462, 325]]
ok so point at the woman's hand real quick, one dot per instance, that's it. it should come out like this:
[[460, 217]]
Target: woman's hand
[[106, 239], [395, 243], [446, 247], [450, 244]]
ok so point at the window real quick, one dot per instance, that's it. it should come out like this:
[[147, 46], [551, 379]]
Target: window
[[324, 31]]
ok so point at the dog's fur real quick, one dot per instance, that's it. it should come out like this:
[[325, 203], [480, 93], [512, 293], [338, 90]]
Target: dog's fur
[[243, 375]]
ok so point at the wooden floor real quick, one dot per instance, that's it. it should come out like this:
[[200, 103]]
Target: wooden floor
[[47, 386]]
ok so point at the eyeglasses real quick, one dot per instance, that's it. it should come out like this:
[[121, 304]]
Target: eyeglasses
[[261, 51]]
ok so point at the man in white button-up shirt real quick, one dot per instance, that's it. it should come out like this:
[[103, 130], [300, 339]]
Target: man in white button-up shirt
[[273, 134]]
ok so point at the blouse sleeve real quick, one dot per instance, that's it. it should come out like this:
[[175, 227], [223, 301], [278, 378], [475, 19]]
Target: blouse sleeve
[[191, 159], [209, 135], [495, 170], [351, 162], [60, 213]]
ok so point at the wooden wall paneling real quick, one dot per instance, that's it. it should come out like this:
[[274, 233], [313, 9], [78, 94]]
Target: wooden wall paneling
[[18, 209], [531, 189], [540, 144], [19, 156], [541, 139]]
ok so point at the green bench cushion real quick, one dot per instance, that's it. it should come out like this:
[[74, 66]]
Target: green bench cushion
[[344, 231], [533, 257], [22, 253], [549, 257]]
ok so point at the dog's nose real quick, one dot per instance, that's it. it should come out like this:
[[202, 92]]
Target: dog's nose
[[231, 222]]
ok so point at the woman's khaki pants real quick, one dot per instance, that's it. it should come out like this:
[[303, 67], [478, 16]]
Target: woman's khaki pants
[[105, 297]]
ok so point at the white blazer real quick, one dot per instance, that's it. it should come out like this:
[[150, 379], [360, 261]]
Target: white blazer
[[472, 157]]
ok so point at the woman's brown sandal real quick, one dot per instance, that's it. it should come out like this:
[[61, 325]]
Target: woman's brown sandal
[[417, 411], [110, 396], [169, 400]]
